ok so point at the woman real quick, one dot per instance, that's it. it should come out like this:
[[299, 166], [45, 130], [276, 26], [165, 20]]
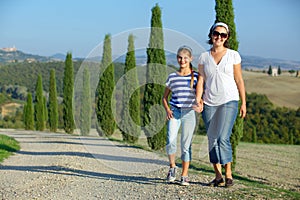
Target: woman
[[182, 85], [220, 86]]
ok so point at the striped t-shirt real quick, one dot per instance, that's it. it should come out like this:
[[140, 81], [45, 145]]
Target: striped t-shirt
[[183, 96]]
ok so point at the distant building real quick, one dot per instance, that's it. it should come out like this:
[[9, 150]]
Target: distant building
[[9, 49], [30, 60], [274, 72]]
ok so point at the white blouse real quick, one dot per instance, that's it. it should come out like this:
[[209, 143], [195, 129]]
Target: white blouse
[[220, 86]]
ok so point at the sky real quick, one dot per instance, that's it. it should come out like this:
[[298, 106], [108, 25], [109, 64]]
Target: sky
[[265, 28]]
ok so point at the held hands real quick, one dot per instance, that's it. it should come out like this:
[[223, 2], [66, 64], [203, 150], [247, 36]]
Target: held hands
[[198, 107]]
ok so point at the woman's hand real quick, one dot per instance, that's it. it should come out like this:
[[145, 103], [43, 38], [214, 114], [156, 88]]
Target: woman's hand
[[243, 111]]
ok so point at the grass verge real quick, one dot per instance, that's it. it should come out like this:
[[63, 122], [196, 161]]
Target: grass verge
[[8, 145], [251, 189]]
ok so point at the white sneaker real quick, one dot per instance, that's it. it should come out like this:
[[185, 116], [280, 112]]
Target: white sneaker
[[171, 175], [184, 181]]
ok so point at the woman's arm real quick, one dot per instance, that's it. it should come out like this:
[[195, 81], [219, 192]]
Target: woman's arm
[[199, 89], [241, 88]]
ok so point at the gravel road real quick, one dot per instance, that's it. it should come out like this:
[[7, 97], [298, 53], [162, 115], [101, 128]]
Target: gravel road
[[60, 166]]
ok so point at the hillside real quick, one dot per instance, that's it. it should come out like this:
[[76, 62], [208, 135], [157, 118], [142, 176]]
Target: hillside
[[256, 62], [248, 62], [282, 90], [19, 56]]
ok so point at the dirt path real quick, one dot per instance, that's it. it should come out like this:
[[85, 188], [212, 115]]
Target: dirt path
[[60, 166]]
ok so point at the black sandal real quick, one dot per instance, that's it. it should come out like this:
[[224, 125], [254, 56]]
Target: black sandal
[[228, 182], [216, 183]]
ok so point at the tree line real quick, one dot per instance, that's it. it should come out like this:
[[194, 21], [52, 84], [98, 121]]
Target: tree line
[[41, 114], [266, 123], [17, 78]]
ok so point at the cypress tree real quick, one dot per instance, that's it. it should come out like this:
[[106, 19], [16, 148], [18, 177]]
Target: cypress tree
[[131, 97], [104, 99], [225, 13], [60, 108], [39, 106], [156, 75], [68, 92], [270, 70], [279, 70], [53, 107], [291, 137], [85, 111], [29, 113], [254, 135], [45, 111], [24, 114]]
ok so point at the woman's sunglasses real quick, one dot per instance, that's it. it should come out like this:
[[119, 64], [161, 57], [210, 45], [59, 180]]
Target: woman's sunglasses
[[217, 34]]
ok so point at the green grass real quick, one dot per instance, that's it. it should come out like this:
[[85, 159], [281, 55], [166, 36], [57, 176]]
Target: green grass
[[8, 145], [251, 189]]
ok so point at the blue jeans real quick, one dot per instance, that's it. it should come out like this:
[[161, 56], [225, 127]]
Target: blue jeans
[[219, 121], [185, 118]]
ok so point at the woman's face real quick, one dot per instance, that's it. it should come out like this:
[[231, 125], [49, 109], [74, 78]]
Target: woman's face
[[219, 36], [184, 58]]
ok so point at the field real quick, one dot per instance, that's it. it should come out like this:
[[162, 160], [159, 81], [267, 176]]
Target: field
[[282, 90], [10, 109]]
